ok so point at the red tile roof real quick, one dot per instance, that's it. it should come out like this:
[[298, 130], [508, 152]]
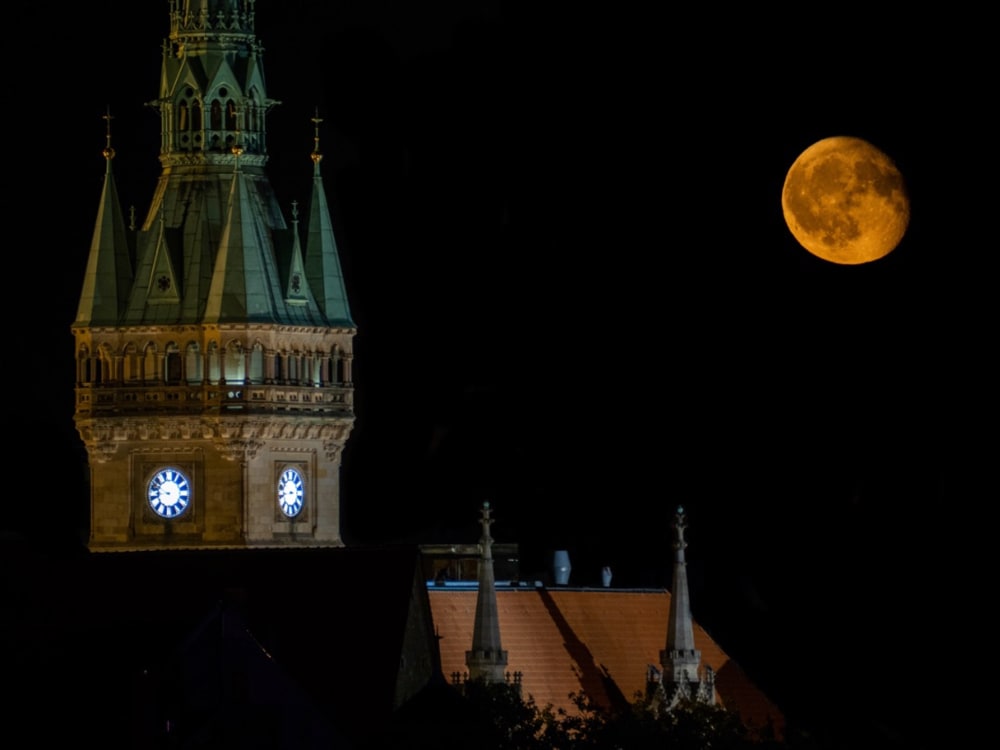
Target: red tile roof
[[596, 641]]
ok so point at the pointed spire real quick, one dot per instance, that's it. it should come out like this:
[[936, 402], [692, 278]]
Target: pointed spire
[[245, 284], [297, 288], [163, 286], [156, 294], [680, 630], [108, 277], [681, 660], [322, 257], [486, 660]]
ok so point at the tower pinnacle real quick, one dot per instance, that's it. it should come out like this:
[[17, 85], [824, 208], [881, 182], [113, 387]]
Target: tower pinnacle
[[681, 677], [487, 659]]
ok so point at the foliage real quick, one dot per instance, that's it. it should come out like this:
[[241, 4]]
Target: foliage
[[520, 724], [691, 725]]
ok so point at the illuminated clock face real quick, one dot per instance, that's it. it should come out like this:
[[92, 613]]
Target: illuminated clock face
[[290, 492], [169, 492]]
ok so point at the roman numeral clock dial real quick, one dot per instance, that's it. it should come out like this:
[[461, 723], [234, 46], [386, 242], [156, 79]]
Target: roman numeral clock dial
[[169, 493]]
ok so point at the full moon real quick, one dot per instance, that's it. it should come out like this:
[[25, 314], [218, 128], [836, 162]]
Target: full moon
[[844, 200]]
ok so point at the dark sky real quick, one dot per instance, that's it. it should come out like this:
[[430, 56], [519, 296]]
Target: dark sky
[[576, 295]]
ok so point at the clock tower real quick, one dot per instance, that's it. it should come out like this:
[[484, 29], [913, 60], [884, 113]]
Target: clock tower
[[213, 343]]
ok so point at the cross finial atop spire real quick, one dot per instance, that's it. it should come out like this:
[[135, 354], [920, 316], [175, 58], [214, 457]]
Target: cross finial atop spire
[[109, 153], [316, 156]]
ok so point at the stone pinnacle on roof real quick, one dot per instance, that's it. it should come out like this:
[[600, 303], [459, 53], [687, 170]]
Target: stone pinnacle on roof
[[297, 290], [681, 660], [680, 632], [486, 660]]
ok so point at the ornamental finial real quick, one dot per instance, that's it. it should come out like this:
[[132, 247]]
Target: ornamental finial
[[237, 149], [486, 522], [316, 156], [680, 523], [109, 153]]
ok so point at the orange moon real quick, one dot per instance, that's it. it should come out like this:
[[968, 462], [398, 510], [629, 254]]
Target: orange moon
[[845, 201]]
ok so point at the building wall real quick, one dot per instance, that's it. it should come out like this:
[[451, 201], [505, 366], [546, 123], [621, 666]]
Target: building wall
[[233, 479]]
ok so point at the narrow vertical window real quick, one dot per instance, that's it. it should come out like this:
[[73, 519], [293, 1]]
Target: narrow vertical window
[[196, 123]]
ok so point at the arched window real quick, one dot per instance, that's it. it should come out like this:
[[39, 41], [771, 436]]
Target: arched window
[[216, 115], [235, 370], [150, 372], [197, 123], [192, 363], [172, 365], [98, 374], [131, 354], [231, 123], [336, 374], [85, 370], [106, 371], [257, 363], [214, 372], [315, 376], [183, 120]]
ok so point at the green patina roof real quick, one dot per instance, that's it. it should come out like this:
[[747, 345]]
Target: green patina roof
[[215, 247]]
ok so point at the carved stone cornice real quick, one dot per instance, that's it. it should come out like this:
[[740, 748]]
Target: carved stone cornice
[[203, 158], [235, 437], [238, 449], [103, 451], [333, 449]]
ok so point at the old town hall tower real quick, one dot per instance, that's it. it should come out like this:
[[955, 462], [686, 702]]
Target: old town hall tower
[[214, 342]]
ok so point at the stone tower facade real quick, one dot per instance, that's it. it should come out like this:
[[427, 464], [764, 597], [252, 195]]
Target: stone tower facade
[[214, 343]]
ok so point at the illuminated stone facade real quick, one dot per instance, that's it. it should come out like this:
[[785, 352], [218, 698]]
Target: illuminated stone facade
[[214, 342]]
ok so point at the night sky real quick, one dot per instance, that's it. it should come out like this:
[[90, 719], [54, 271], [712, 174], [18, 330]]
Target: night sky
[[577, 298]]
